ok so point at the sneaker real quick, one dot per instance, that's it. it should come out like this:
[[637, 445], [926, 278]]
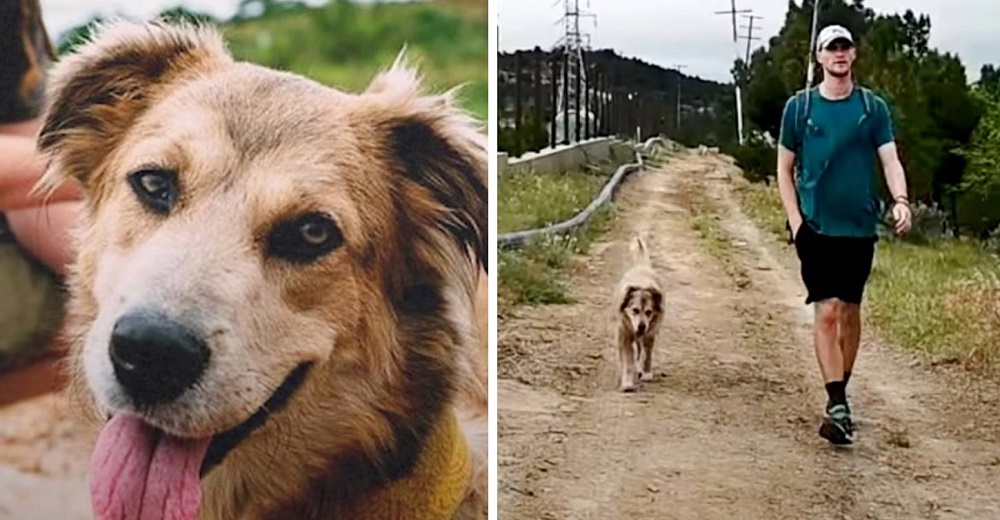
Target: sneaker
[[837, 427]]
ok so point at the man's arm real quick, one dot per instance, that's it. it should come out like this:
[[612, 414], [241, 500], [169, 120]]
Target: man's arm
[[786, 167], [895, 176], [786, 188], [892, 168]]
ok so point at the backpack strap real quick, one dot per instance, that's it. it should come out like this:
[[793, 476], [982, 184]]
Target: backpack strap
[[802, 104]]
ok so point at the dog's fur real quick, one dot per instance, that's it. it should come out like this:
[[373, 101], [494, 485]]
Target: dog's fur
[[387, 319], [637, 307]]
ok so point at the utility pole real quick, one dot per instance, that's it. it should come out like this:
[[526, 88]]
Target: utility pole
[[679, 77], [749, 37], [810, 61], [736, 50]]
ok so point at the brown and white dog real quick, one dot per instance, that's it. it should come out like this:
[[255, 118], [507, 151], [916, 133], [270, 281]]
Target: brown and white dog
[[638, 310], [274, 305]]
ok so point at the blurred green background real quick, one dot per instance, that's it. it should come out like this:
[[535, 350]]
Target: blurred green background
[[344, 43]]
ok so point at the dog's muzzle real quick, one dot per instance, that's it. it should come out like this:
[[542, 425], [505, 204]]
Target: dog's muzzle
[[155, 359]]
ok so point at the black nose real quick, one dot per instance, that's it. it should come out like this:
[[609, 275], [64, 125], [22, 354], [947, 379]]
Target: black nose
[[155, 359], [642, 328]]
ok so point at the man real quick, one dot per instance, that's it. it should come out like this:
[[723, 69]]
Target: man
[[34, 244], [833, 134]]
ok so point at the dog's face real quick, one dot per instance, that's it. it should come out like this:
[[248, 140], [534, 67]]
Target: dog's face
[[640, 309], [247, 228]]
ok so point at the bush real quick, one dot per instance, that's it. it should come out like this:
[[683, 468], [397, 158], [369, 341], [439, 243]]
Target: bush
[[930, 224], [757, 158], [532, 137]]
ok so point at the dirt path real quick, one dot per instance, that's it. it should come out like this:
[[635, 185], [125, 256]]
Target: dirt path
[[728, 427]]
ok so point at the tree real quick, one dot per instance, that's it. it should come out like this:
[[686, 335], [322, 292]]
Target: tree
[[933, 111]]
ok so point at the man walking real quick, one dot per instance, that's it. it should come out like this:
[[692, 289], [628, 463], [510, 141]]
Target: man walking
[[832, 134]]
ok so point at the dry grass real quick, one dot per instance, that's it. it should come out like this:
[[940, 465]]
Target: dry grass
[[941, 299]]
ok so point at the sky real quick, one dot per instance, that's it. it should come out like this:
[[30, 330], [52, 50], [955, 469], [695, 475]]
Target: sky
[[687, 32]]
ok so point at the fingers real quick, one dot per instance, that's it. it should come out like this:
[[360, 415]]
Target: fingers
[[903, 219]]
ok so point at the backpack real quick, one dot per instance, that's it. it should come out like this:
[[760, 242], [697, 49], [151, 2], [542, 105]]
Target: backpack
[[803, 98]]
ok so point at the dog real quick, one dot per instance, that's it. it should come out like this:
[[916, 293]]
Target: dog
[[638, 311], [277, 308]]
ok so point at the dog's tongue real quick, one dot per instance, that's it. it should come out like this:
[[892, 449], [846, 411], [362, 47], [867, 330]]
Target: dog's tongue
[[138, 473]]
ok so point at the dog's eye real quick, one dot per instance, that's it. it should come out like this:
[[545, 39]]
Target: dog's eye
[[649, 313], [304, 239], [157, 189], [635, 311]]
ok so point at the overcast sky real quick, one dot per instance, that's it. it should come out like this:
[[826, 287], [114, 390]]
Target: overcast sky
[[668, 32]]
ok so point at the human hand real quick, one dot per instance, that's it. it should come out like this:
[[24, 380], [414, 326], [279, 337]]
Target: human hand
[[796, 225], [902, 216]]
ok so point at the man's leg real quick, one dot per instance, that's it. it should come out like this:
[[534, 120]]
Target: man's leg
[[820, 273], [836, 427], [850, 336], [827, 340]]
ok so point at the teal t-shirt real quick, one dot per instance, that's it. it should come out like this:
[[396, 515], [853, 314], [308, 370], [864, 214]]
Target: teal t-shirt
[[836, 151]]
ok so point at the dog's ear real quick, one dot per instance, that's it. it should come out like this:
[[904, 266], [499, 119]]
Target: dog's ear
[[97, 92], [440, 153], [629, 291], [657, 300]]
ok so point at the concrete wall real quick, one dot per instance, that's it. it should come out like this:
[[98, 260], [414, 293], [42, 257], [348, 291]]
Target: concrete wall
[[560, 158]]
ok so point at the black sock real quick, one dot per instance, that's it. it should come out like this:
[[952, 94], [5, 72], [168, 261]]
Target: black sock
[[847, 377], [835, 390]]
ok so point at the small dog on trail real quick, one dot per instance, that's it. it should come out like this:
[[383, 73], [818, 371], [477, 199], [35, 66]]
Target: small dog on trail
[[638, 309], [274, 303]]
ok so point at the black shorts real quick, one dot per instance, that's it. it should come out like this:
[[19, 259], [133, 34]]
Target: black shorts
[[834, 267]]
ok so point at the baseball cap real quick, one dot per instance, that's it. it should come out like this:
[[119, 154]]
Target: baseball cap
[[831, 33]]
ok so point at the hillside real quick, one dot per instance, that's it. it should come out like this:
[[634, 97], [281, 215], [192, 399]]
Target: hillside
[[344, 44], [706, 106]]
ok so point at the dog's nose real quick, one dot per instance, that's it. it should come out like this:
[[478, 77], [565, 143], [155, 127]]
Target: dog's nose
[[642, 328], [155, 359]]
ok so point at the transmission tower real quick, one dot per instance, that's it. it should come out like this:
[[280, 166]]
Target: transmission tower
[[574, 42]]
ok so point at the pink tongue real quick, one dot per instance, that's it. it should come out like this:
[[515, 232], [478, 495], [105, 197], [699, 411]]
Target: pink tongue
[[137, 473]]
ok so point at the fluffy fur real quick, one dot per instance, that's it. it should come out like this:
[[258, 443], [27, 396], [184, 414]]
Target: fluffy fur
[[393, 320], [637, 306]]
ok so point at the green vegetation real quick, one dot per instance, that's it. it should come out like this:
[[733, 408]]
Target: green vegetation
[[938, 298], [528, 199], [538, 273], [943, 125], [344, 44]]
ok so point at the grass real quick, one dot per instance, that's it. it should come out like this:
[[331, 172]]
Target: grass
[[706, 223], [706, 219], [539, 272], [940, 299], [446, 39], [529, 200]]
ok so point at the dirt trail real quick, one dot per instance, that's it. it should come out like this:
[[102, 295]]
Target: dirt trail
[[727, 429]]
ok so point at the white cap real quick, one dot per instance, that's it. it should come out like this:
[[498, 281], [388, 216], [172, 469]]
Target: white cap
[[830, 33]]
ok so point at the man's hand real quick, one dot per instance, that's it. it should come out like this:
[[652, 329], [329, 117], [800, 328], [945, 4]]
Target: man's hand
[[902, 216], [795, 224]]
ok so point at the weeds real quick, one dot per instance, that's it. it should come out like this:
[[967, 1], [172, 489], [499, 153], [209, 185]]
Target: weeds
[[539, 272]]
